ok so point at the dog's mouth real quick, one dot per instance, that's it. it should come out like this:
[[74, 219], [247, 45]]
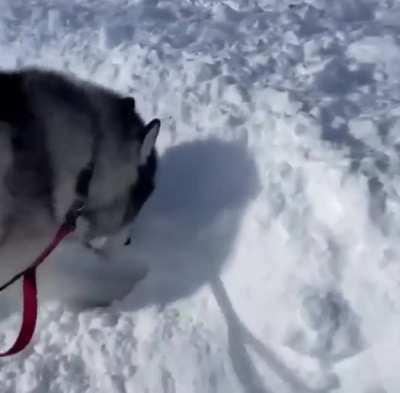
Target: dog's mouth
[[97, 243]]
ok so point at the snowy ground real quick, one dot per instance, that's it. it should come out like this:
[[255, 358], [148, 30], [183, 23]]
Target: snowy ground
[[270, 251]]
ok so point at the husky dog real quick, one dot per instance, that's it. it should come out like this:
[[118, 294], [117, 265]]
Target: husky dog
[[51, 126]]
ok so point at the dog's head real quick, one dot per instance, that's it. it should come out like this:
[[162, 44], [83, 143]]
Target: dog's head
[[124, 174], [53, 120]]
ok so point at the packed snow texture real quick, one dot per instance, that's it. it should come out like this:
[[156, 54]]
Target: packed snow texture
[[268, 259]]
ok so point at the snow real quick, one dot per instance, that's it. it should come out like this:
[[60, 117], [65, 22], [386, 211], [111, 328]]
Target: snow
[[268, 258]]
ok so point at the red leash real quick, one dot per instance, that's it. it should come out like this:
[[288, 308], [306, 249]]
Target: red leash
[[30, 303]]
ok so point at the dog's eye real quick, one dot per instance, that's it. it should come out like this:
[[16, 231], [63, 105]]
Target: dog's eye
[[128, 241]]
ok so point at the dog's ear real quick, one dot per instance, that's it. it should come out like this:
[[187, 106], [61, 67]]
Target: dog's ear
[[150, 133]]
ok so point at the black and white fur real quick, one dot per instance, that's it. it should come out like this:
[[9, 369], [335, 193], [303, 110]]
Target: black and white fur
[[49, 123]]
